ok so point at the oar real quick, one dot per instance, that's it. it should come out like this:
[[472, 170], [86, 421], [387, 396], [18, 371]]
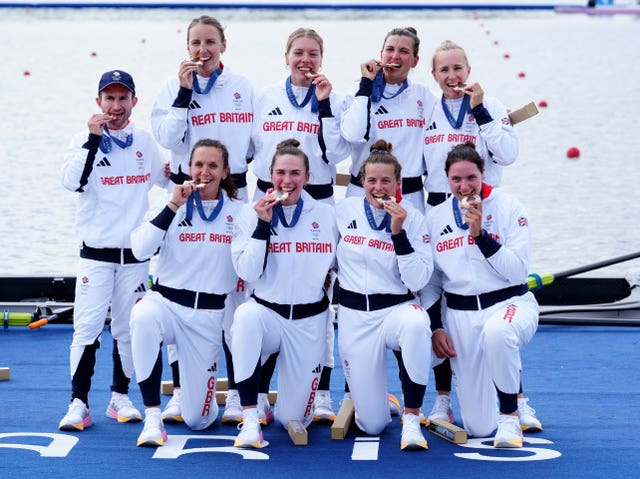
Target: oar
[[59, 316], [537, 281]]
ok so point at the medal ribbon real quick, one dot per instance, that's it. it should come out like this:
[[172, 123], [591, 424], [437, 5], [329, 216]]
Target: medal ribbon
[[384, 224], [194, 199], [377, 93], [464, 109], [311, 95], [277, 208], [105, 141], [457, 215], [210, 82]]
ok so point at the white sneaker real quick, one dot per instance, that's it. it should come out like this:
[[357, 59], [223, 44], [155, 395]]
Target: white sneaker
[[121, 409], [173, 411], [265, 414], [527, 415], [250, 432], [232, 408], [322, 407], [509, 433], [153, 433], [77, 417], [394, 405], [423, 419], [412, 437], [441, 409]]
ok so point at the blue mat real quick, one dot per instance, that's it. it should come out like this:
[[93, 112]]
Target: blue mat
[[583, 381]]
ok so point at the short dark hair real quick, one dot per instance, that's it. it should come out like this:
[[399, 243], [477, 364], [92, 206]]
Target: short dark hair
[[464, 152]]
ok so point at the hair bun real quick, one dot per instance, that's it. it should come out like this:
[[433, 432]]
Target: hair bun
[[288, 142], [381, 146]]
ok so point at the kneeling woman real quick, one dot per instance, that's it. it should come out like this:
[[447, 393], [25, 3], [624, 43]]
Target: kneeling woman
[[383, 256], [482, 265], [284, 247], [193, 276]]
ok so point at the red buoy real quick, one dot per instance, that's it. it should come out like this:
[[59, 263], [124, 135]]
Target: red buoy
[[26, 73], [94, 54], [506, 55], [573, 152], [521, 75], [542, 104], [495, 42]]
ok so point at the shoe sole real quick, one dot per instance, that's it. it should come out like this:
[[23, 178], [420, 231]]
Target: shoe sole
[[153, 442], [255, 445], [267, 419], [321, 419], [113, 414], [508, 444], [172, 419], [231, 420], [530, 428], [75, 426], [414, 446]]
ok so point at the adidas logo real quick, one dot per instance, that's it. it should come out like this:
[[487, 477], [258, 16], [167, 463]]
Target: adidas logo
[[381, 110], [273, 231], [352, 225], [194, 105], [141, 289], [213, 368], [276, 111], [317, 369], [432, 126], [185, 223], [104, 162], [446, 231]]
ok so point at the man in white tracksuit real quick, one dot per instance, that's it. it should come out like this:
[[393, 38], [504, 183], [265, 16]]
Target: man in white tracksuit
[[112, 170]]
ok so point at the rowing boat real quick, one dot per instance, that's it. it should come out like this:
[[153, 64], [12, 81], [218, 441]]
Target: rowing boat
[[565, 300], [590, 301]]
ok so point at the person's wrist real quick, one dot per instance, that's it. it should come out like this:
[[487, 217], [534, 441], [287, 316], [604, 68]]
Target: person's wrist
[[481, 233]]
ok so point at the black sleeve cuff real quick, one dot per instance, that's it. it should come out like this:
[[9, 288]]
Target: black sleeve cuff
[[435, 315], [262, 231], [164, 219], [93, 142], [366, 87], [324, 108], [488, 246], [401, 243], [481, 114], [183, 98]]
